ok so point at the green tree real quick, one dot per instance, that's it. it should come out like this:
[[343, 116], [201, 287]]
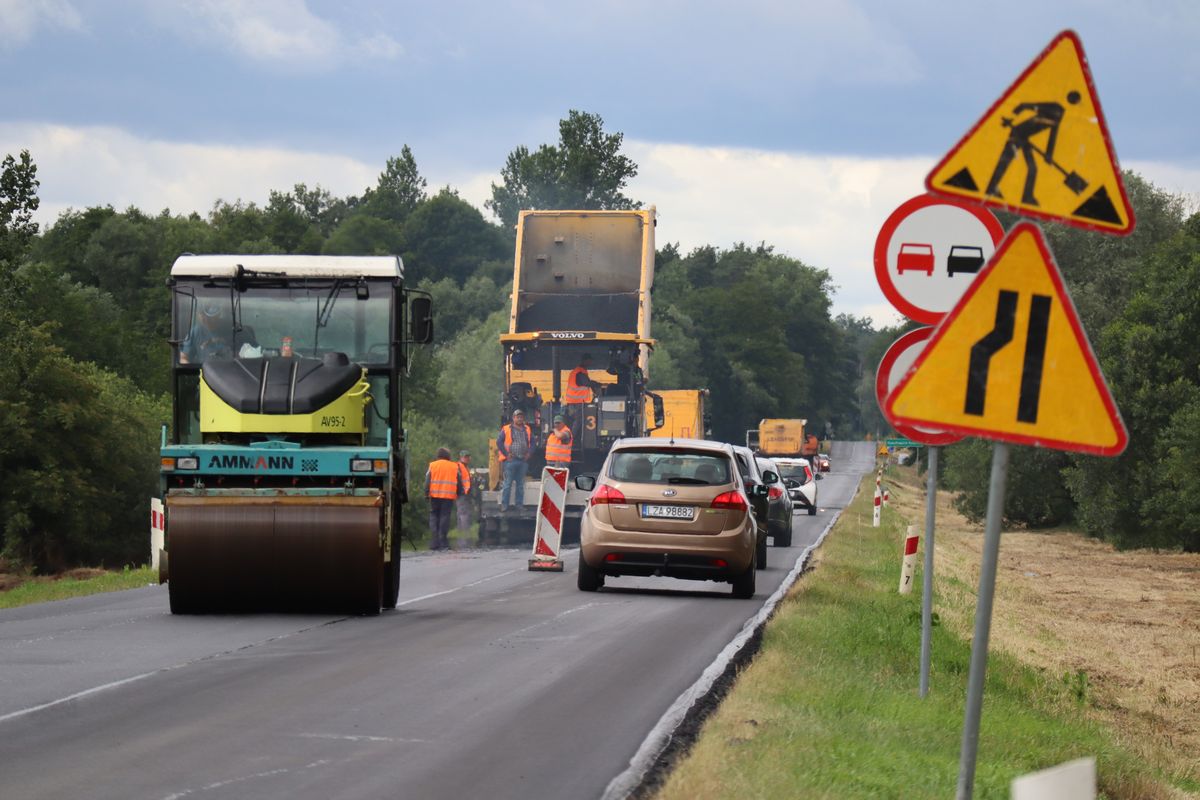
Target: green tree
[[398, 192], [754, 327], [299, 221], [585, 170], [1036, 495], [461, 309], [62, 245], [239, 228], [77, 456], [447, 237], [363, 235], [18, 201], [1140, 499]]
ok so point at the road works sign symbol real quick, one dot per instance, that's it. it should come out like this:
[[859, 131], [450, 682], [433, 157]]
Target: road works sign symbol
[[1012, 363], [1051, 118]]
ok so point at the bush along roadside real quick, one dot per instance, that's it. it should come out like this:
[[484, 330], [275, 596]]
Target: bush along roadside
[[829, 707]]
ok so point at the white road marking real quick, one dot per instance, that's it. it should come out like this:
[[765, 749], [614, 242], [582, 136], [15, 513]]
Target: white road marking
[[78, 695], [361, 738], [270, 773], [432, 595]]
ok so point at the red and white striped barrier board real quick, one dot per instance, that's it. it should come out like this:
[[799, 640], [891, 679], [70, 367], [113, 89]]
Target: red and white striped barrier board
[[158, 527], [878, 502], [547, 530], [908, 566]]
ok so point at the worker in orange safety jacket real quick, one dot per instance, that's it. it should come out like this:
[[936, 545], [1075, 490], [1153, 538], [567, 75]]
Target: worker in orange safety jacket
[[515, 446], [443, 484], [558, 444], [580, 387]]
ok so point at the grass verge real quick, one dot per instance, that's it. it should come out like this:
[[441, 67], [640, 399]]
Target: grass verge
[[829, 707], [75, 584]]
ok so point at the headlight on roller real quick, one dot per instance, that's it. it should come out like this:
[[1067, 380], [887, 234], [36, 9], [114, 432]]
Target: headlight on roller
[[360, 465], [187, 462]]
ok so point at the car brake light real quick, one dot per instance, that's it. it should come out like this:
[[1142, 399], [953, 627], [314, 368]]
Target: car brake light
[[730, 500], [607, 494], [775, 493]]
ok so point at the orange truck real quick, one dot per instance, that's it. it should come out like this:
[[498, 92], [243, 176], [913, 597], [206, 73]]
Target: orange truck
[[786, 438], [685, 415]]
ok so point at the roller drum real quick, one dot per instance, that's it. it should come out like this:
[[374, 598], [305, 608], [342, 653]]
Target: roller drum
[[276, 556]]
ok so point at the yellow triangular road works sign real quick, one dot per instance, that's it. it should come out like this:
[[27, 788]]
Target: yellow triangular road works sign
[[1043, 149], [1011, 363]]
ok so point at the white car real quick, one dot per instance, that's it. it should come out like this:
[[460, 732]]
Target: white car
[[801, 481]]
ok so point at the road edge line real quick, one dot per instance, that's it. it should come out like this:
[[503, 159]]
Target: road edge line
[[659, 739]]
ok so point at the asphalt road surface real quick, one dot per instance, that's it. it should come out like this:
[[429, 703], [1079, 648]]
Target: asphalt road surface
[[486, 681]]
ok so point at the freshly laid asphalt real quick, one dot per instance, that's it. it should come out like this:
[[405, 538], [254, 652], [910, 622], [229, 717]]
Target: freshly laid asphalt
[[486, 681]]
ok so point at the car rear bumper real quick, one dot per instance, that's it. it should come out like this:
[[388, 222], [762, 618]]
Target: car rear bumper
[[694, 557], [800, 500]]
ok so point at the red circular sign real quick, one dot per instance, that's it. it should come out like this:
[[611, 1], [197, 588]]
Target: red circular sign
[[928, 252], [898, 359]]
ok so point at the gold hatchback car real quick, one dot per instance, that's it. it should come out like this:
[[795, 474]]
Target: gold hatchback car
[[668, 507]]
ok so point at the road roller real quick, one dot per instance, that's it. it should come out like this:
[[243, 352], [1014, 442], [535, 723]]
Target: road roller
[[283, 469]]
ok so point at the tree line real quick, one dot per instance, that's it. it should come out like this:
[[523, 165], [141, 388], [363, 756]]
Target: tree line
[[84, 383]]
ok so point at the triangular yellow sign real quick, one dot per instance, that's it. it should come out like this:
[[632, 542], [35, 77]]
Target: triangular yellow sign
[[1043, 149], [1010, 362]]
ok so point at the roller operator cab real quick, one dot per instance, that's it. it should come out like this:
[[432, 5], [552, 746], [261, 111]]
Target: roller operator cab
[[284, 465]]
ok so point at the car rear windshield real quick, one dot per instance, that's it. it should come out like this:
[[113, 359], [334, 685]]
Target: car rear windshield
[[670, 466], [796, 472]]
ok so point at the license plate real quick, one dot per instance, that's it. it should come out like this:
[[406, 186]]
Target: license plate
[[667, 512]]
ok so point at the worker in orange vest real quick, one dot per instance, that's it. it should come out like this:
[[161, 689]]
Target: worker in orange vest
[[558, 444], [515, 446], [580, 389], [443, 484], [463, 504], [579, 386]]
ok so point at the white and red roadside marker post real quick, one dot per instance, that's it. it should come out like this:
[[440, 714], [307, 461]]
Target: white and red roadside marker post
[[158, 528], [547, 530], [878, 503], [887, 497], [908, 565]]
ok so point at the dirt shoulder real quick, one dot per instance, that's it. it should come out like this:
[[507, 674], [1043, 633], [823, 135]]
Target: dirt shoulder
[[1122, 627]]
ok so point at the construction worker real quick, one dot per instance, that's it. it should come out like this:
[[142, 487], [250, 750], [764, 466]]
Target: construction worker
[[515, 444], [558, 444], [579, 386], [210, 337], [443, 485], [463, 503]]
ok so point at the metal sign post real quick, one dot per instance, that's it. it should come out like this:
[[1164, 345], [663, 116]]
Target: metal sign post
[[983, 622], [927, 576]]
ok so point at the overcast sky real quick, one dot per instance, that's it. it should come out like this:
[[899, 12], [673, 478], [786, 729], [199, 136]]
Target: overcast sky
[[802, 124]]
